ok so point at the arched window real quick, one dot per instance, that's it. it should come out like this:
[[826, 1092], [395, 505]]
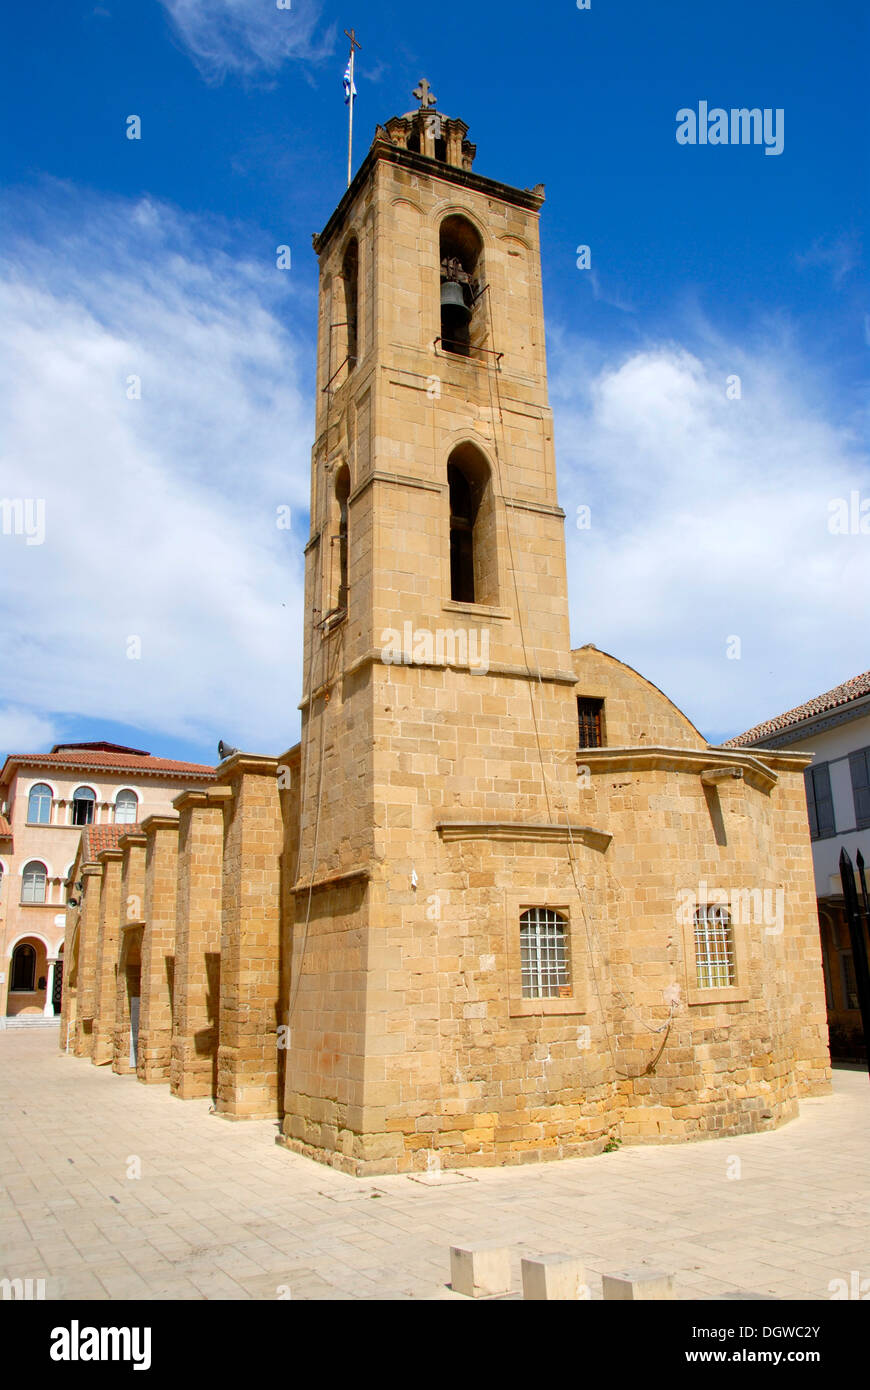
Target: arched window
[[126, 807], [33, 882], [342, 492], [544, 954], [39, 805], [84, 801], [23, 968], [350, 277], [462, 323], [473, 556]]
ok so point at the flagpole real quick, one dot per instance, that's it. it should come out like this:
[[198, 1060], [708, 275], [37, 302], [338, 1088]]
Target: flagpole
[[350, 124], [351, 34]]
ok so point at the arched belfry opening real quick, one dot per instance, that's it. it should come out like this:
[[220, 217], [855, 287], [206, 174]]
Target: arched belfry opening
[[342, 493], [473, 547], [462, 284], [350, 280]]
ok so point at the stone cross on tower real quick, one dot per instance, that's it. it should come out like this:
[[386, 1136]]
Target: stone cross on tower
[[424, 95]]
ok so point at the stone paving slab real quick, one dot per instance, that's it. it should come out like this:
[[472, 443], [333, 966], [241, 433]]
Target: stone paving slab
[[221, 1212]]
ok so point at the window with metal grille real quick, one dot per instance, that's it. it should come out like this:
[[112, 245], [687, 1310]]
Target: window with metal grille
[[859, 766], [544, 954], [850, 986], [33, 882], [714, 947], [820, 802], [590, 714]]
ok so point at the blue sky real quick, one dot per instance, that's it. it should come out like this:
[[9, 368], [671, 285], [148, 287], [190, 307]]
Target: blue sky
[[155, 258]]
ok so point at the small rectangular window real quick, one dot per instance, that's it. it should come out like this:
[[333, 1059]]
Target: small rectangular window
[[859, 766], [590, 714], [820, 802], [544, 954], [714, 947]]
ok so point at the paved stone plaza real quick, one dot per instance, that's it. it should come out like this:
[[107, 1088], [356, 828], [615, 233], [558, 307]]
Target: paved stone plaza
[[221, 1212]]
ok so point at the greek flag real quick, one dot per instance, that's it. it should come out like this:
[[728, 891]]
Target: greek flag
[[347, 85]]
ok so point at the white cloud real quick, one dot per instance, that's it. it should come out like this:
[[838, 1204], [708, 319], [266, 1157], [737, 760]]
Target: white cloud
[[22, 731], [160, 513], [709, 521], [248, 37]]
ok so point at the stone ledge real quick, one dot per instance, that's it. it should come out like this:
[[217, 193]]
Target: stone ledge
[[332, 880], [703, 761], [516, 830]]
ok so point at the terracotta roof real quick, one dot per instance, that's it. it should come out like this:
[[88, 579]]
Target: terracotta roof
[[99, 747], [99, 837], [121, 762], [5, 829], [843, 694]]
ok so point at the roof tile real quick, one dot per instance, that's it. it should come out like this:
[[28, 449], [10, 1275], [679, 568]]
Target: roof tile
[[832, 699]]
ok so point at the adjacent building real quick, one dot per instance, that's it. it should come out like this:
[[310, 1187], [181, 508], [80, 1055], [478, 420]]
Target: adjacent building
[[46, 801], [835, 728]]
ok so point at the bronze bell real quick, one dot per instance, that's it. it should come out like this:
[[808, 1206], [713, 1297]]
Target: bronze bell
[[453, 304]]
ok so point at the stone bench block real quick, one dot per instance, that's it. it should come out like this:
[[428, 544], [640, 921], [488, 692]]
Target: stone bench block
[[550, 1277], [480, 1270], [638, 1285]]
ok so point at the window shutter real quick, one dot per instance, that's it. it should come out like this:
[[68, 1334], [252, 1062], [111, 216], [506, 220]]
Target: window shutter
[[811, 804], [859, 766], [824, 800]]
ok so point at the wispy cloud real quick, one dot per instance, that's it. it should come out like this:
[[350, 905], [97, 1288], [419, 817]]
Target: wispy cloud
[[160, 512], [249, 38], [840, 255], [709, 521]]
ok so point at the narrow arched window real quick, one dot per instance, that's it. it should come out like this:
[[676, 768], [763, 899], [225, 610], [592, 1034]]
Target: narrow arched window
[[473, 555], [461, 286], [462, 514], [39, 805], [33, 882], [126, 807], [23, 968], [84, 801], [350, 276], [342, 493]]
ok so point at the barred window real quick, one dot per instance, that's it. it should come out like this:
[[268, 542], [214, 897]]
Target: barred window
[[544, 954], [590, 717], [714, 947]]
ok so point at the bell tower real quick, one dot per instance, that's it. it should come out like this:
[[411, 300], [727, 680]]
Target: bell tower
[[438, 712]]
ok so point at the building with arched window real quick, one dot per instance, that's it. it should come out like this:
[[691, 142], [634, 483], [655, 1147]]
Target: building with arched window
[[46, 801], [503, 902]]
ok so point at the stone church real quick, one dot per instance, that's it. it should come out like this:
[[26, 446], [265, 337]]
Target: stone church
[[502, 902]]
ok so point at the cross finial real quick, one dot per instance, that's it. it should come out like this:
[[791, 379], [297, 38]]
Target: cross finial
[[425, 95]]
